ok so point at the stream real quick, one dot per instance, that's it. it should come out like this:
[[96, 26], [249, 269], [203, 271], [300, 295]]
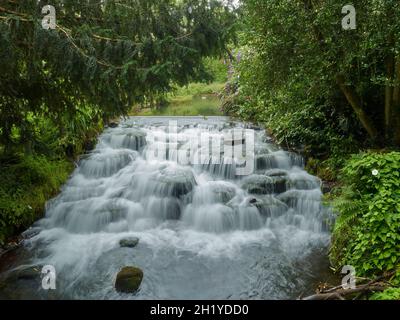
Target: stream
[[210, 226]]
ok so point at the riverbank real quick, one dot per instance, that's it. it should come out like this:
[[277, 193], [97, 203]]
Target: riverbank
[[363, 187], [27, 183], [30, 180]]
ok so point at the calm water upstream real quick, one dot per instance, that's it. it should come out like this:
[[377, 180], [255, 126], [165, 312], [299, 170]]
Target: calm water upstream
[[204, 232]]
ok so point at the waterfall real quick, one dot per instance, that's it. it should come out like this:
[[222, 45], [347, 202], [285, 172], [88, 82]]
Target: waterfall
[[204, 230]]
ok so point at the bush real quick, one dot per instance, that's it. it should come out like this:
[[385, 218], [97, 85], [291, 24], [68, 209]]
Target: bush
[[27, 183], [367, 232], [389, 294]]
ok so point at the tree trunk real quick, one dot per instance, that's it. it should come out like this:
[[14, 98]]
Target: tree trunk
[[355, 102]]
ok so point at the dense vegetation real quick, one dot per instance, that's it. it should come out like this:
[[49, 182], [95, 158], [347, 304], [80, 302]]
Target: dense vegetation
[[59, 87], [330, 93], [367, 232], [195, 99]]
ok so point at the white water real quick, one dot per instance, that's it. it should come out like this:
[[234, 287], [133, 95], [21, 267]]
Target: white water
[[203, 235]]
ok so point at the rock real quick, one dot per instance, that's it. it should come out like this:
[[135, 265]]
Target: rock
[[174, 182], [256, 184], [128, 280], [266, 161], [269, 206], [327, 187], [129, 242], [276, 173], [260, 184], [223, 193], [24, 273], [29, 273], [100, 165], [12, 245], [304, 184], [113, 124], [293, 197], [30, 233], [133, 138]]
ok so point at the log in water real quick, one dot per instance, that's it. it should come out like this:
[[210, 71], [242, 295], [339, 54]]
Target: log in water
[[196, 228]]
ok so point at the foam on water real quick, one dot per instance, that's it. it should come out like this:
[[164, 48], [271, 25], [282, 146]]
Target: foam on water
[[204, 232]]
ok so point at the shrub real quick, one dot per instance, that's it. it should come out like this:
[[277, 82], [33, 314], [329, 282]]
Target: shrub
[[26, 184], [367, 232]]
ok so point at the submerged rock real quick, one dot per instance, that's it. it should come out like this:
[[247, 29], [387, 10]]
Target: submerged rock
[[128, 280], [30, 233], [269, 206], [130, 242], [276, 173], [133, 138], [101, 165], [223, 193], [175, 182], [261, 184], [24, 273], [29, 273], [113, 124]]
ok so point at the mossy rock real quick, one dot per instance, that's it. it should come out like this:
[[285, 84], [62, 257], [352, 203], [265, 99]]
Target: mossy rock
[[130, 242], [261, 184], [128, 280], [29, 273]]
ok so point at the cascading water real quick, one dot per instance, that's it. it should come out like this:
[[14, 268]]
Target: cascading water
[[204, 232]]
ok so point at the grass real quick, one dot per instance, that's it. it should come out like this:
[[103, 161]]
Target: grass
[[197, 99], [27, 183]]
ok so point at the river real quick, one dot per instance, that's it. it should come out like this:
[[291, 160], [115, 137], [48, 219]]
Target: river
[[205, 232]]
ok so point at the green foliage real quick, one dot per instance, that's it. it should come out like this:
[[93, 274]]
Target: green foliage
[[389, 294], [217, 69], [196, 99], [367, 233], [104, 54], [196, 90], [27, 183], [292, 55]]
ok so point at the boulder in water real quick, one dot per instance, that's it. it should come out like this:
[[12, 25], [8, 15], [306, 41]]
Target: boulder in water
[[25, 273], [256, 184], [29, 273], [101, 165], [266, 161], [113, 124], [269, 206], [276, 173], [261, 184], [175, 182], [128, 280], [130, 242]]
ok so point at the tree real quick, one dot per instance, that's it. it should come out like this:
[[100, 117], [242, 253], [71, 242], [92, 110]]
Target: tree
[[301, 45], [105, 55]]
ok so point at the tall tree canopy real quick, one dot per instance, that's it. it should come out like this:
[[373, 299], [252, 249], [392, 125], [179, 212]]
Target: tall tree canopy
[[104, 54], [299, 60]]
